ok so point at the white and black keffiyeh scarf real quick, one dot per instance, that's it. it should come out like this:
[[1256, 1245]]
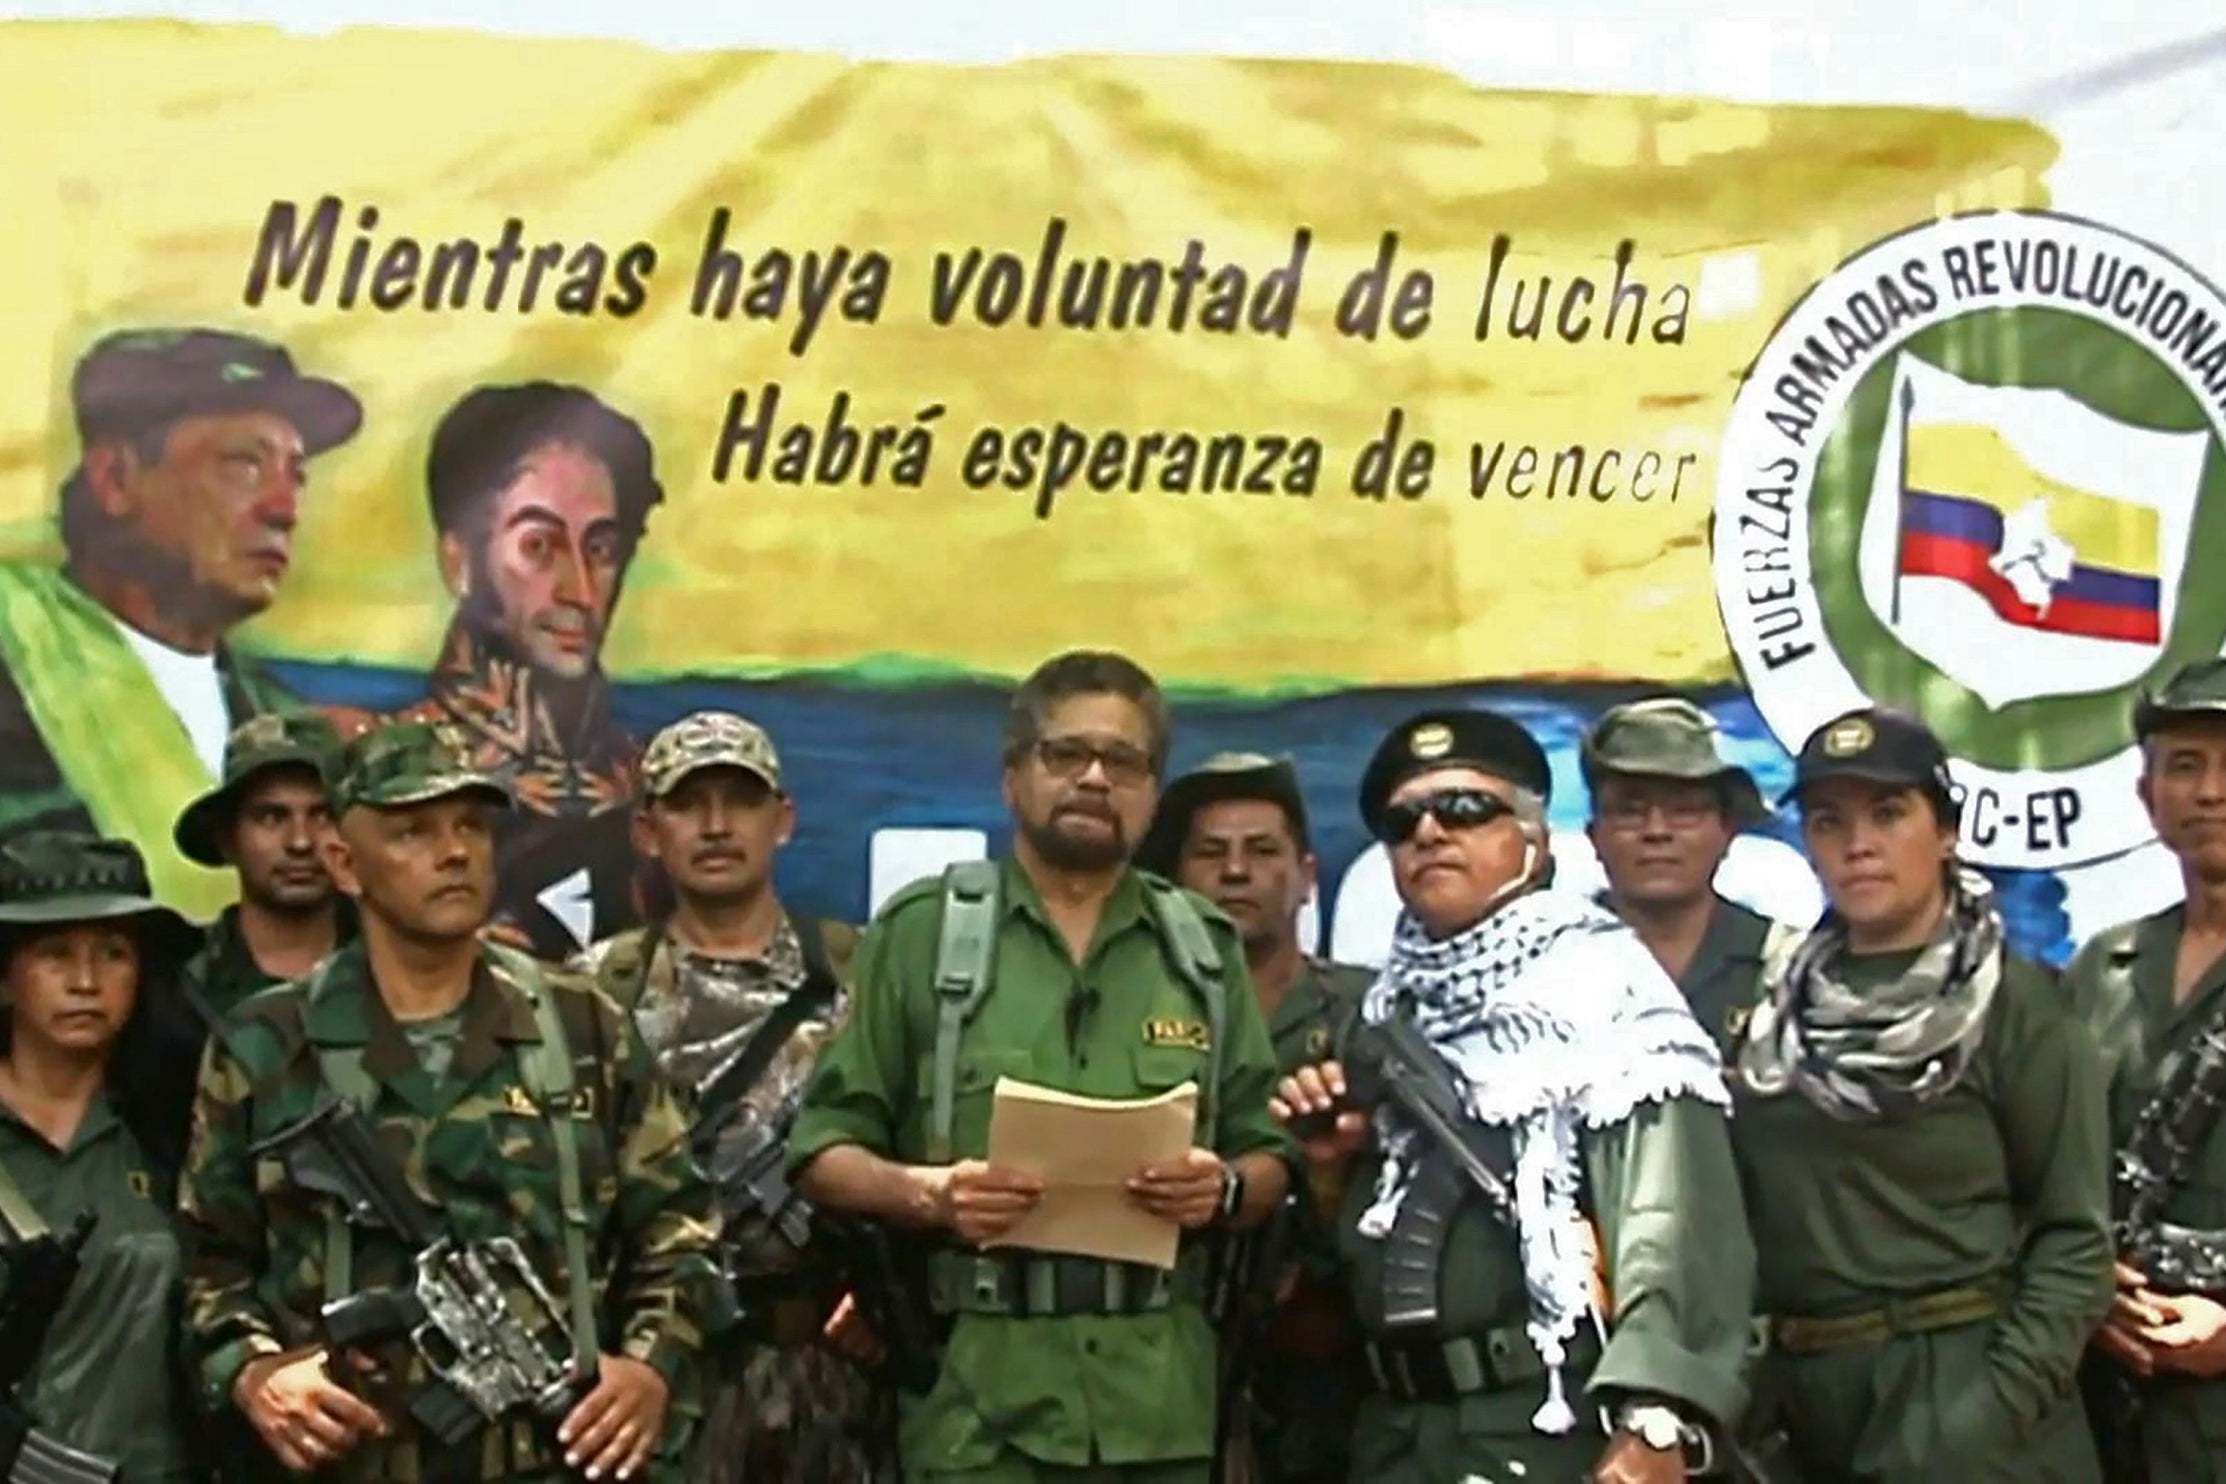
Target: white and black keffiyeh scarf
[[1873, 1053], [1556, 1020]]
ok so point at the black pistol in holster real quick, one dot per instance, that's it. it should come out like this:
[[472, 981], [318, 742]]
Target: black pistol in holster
[[41, 1267], [460, 1310]]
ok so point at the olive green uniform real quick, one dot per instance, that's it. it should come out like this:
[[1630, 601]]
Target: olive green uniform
[[1981, 1219], [1657, 1184], [108, 1380], [1724, 979], [2121, 983], [1126, 1394], [1308, 1380], [473, 1142], [223, 969]]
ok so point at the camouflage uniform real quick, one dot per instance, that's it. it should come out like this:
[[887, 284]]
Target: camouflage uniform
[[223, 971], [780, 1405], [473, 1143], [573, 781]]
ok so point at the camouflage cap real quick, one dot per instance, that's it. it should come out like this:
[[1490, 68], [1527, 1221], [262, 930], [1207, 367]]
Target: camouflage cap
[[410, 762], [1668, 737], [708, 739], [63, 876], [1225, 775], [2197, 689], [276, 739]]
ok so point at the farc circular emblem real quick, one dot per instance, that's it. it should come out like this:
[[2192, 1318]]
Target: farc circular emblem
[[1971, 475]]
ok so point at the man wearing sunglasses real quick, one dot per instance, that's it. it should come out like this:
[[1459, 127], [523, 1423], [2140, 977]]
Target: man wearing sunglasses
[[1066, 967], [1665, 808], [1551, 1271]]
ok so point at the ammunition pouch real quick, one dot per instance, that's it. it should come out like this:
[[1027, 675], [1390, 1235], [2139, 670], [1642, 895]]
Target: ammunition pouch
[[1046, 1285]]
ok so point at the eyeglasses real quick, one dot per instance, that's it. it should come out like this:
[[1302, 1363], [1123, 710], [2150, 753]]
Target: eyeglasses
[[1627, 816], [1070, 757], [1452, 808]]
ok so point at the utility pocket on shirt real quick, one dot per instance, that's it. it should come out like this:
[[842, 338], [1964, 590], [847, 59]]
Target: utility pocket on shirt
[[1160, 1067], [973, 1085]]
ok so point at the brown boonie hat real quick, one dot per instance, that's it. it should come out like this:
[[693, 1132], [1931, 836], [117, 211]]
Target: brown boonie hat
[[276, 739], [708, 739], [410, 762]]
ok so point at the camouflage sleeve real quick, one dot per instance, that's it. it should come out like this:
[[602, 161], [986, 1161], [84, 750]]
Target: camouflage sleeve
[[666, 1228], [221, 1222]]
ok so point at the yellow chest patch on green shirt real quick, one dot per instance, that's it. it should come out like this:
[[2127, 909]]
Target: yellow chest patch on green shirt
[[1189, 1034]]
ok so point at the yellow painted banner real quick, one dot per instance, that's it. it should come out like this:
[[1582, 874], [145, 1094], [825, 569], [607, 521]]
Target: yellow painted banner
[[945, 368]]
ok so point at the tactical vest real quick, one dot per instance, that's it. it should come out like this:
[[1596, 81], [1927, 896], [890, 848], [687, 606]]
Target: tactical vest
[[547, 1069], [966, 967]]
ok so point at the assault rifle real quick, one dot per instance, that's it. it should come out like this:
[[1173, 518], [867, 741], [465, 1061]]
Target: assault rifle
[[461, 1311], [41, 1268]]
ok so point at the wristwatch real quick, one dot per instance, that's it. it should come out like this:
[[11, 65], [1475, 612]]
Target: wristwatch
[[1232, 1194], [1662, 1429]]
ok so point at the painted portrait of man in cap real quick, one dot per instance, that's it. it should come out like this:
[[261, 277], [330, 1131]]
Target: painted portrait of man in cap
[[118, 680], [539, 495]]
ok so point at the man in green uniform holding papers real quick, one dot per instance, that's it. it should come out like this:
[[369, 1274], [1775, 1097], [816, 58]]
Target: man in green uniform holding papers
[[2152, 990], [1064, 967]]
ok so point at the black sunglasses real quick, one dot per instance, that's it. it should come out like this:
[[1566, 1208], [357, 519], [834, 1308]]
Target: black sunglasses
[[1452, 808]]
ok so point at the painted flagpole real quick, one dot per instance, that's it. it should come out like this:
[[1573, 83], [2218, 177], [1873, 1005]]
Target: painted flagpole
[[1901, 496]]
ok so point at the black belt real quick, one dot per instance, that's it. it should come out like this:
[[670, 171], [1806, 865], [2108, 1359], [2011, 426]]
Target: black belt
[[1443, 1370], [1027, 1285]]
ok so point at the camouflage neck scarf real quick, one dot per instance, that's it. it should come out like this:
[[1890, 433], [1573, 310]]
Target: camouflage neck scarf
[[1867, 1054]]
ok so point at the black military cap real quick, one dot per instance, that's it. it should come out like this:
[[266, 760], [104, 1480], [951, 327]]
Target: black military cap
[[2197, 689], [135, 379], [1224, 776], [1454, 738], [1882, 745]]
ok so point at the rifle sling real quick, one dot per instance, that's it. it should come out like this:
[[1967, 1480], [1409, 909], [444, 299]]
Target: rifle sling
[[719, 1099], [2185, 1100], [17, 1211]]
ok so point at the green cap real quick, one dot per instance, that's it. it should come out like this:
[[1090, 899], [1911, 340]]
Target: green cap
[[1668, 737], [276, 739], [1225, 775], [134, 379], [63, 876], [708, 739], [2198, 689], [410, 762]]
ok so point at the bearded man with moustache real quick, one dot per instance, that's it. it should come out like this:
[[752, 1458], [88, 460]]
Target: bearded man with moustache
[[1066, 967], [735, 995]]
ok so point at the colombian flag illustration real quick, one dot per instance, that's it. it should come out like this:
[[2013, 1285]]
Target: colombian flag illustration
[[2044, 554]]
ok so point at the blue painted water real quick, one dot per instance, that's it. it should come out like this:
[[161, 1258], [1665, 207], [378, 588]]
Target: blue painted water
[[860, 758]]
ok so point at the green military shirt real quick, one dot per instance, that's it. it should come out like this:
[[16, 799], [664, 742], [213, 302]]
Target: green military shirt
[[1680, 1278], [1998, 1183], [1308, 1378], [224, 969], [1075, 1389], [1722, 980], [107, 1379], [2121, 984], [474, 1145]]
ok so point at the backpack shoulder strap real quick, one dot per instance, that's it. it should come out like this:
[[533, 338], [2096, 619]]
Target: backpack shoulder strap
[[965, 965], [1198, 962]]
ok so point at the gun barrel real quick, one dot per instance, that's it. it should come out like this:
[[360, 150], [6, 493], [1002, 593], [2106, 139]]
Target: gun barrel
[[333, 1151]]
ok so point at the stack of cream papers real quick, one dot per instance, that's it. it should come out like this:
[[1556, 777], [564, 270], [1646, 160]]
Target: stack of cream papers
[[1084, 1150]]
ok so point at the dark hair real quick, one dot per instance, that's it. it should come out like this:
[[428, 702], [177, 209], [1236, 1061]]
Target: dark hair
[[483, 439], [86, 528], [1084, 672], [154, 1061]]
